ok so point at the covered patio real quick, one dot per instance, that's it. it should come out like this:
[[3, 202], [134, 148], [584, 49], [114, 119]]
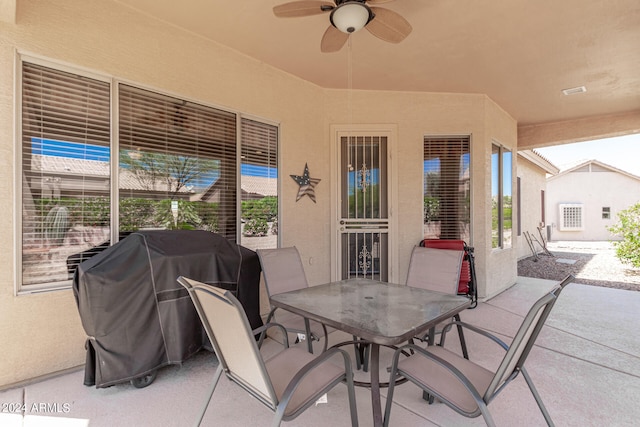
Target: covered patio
[[585, 365]]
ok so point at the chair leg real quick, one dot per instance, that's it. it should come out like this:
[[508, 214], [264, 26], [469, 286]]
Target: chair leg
[[216, 378], [392, 384], [536, 396], [352, 394]]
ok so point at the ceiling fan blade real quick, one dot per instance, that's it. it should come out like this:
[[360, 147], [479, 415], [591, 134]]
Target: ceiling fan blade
[[333, 40], [388, 25], [302, 8], [379, 1]]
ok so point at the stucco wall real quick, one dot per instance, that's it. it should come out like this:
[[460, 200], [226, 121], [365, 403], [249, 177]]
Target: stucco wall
[[420, 114], [532, 181], [41, 333], [595, 190]]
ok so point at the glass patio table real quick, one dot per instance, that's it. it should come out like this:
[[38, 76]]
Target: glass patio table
[[379, 313]]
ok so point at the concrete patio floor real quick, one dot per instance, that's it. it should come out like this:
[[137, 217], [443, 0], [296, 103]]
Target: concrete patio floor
[[586, 366]]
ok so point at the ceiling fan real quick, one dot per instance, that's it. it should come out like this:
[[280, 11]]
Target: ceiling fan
[[349, 16]]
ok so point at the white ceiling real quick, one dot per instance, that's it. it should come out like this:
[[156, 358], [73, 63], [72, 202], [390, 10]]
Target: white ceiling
[[521, 53]]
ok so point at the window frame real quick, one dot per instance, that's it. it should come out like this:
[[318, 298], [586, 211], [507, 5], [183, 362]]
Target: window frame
[[563, 207], [464, 208], [501, 184], [114, 146]]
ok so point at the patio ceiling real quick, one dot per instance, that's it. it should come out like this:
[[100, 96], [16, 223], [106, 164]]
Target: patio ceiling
[[520, 53]]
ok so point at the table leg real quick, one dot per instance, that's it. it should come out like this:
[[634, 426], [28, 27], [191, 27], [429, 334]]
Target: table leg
[[375, 384], [307, 327]]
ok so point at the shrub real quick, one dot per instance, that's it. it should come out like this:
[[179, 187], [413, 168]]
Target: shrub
[[628, 227], [256, 227]]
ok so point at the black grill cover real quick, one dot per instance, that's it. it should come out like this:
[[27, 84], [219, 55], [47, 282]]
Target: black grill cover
[[137, 317]]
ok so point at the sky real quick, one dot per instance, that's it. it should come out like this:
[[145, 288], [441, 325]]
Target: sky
[[622, 152]]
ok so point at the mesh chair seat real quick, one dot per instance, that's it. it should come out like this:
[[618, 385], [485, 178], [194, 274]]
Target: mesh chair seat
[[284, 366]]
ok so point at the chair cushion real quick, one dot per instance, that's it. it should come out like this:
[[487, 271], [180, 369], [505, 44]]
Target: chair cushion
[[435, 377], [286, 364]]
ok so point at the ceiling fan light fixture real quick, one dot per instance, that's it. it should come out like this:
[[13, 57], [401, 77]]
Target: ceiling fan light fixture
[[351, 16]]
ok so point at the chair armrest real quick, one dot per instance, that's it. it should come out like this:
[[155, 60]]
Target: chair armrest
[[472, 328], [262, 330]]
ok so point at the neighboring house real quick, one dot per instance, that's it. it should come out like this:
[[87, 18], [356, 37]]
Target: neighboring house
[[532, 195], [584, 200]]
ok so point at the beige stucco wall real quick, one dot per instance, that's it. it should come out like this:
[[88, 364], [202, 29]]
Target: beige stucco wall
[[420, 114], [595, 190], [532, 180], [41, 333]]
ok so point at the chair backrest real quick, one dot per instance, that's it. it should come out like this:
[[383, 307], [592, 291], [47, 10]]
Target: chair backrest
[[435, 269], [227, 326], [282, 269], [524, 339], [466, 274]]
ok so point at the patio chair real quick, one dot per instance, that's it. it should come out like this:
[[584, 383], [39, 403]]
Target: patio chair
[[437, 270], [468, 281], [283, 272], [289, 382], [463, 385]]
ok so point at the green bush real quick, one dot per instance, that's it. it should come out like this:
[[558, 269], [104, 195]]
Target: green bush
[[628, 227]]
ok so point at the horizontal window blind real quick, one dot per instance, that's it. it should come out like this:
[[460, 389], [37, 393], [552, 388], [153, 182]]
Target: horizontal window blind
[[259, 184], [447, 188], [177, 164], [65, 173]]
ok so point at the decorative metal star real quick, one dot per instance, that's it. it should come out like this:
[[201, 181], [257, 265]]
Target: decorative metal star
[[306, 184]]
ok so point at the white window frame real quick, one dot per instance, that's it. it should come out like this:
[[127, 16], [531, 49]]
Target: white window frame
[[576, 207]]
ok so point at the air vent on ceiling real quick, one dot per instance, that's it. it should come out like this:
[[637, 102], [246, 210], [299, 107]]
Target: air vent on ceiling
[[574, 90]]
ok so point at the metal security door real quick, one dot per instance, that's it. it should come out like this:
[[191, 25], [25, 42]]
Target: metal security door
[[363, 223]]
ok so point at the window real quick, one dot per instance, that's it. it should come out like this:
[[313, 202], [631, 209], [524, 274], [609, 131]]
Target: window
[[501, 197], [175, 151], [606, 213], [447, 188], [178, 166], [259, 182], [65, 150], [571, 217]]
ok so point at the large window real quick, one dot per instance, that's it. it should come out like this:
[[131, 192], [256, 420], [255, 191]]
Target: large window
[[447, 188], [501, 197], [174, 164]]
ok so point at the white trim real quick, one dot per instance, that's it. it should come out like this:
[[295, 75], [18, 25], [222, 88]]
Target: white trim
[[572, 227]]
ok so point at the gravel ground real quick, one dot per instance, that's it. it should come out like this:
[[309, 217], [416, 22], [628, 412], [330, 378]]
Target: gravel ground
[[595, 264]]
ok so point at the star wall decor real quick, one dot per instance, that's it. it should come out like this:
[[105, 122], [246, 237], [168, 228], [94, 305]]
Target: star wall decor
[[306, 183]]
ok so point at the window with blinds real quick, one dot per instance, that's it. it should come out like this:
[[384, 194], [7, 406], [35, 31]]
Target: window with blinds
[[259, 184], [177, 164], [65, 137], [447, 188]]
